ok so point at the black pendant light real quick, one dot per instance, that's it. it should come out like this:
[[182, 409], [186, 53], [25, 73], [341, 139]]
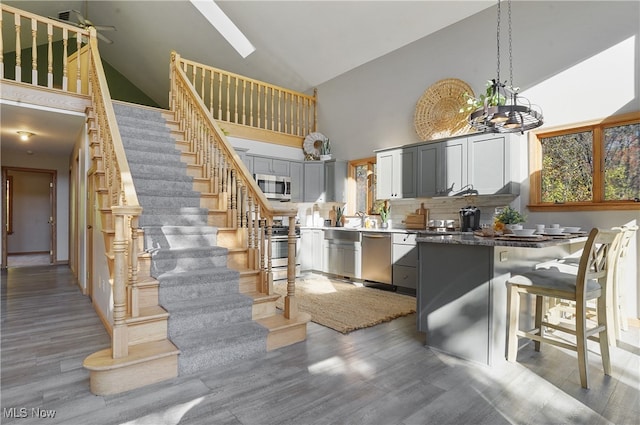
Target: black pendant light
[[504, 110]]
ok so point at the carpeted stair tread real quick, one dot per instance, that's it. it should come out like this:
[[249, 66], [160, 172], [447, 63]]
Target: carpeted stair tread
[[219, 336], [206, 304], [215, 274]]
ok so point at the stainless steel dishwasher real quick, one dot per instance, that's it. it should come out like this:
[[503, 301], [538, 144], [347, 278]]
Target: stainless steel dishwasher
[[376, 257]]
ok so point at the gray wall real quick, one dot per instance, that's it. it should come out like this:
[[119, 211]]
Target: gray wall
[[373, 106]]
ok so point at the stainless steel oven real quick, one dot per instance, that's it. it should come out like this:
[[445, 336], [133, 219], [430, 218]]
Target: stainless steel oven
[[274, 187], [280, 251]]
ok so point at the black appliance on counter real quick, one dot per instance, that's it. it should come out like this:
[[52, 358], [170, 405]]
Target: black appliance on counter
[[469, 219]]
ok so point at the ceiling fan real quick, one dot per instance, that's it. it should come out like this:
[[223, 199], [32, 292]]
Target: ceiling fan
[[83, 22]]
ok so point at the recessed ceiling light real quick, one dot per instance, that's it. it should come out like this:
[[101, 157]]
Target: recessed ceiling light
[[24, 135], [225, 26]]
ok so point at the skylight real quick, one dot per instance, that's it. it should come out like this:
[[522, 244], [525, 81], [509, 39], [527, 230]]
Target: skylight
[[225, 26]]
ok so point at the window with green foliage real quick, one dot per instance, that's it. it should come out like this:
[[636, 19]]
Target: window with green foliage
[[588, 165], [362, 187]]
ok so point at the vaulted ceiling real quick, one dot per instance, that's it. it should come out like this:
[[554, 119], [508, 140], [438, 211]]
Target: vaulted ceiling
[[299, 44]]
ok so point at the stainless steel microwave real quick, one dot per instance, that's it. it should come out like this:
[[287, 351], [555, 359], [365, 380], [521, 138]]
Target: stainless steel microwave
[[274, 187]]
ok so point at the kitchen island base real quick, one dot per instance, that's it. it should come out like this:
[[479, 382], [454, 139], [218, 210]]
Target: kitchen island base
[[462, 293]]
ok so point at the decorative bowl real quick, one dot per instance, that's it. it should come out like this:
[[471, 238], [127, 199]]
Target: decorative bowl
[[523, 232], [554, 230], [572, 229]]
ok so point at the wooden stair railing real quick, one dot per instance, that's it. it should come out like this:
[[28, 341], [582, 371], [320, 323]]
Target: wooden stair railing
[[251, 108], [42, 69], [246, 205]]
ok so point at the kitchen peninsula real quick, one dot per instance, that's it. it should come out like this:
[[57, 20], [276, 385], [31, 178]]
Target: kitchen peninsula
[[461, 293]]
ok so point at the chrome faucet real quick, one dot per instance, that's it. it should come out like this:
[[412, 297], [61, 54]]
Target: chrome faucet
[[363, 217]]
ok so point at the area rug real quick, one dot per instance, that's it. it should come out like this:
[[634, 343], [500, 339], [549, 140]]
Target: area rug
[[344, 306]]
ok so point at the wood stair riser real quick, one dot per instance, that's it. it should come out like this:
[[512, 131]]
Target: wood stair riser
[[148, 331], [194, 170], [263, 309], [128, 378], [283, 337], [209, 200], [202, 185], [237, 260], [188, 158], [147, 296], [217, 219], [231, 238]]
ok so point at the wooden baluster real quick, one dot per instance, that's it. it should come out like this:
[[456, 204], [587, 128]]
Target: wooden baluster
[[238, 202], [233, 193], [244, 102], [18, 49], [297, 130], [268, 288], [133, 265], [273, 110], [251, 221], [65, 59], [290, 302], [279, 110], [219, 96], [211, 111], [235, 101], [49, 55], [315, 110], [228, 105], [78, 70], [259, 101], [34, 52], [202, 78], [250, 100]]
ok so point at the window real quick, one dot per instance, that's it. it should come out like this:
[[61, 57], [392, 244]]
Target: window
[[591, 166], [361, 185]]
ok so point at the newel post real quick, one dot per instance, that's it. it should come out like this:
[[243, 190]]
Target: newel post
[[120, 337], [122, 239], [290, 302]]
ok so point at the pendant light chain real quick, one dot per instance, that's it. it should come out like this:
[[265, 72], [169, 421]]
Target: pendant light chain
[[510, 51], [498, 43]]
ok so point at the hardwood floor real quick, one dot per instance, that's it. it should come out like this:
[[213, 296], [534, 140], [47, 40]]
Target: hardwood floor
[[379, 375]]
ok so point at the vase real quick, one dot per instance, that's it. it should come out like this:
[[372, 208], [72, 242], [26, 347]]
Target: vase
[[509, 228]]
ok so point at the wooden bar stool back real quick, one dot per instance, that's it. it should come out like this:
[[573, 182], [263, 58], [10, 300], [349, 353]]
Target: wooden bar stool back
[[595, 273]]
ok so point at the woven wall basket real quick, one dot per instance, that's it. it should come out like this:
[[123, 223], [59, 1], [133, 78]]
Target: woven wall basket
[[438, 111]]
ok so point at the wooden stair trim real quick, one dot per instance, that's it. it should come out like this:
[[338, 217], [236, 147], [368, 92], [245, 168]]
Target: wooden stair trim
[[102, 360], [261, 297], [279, 322], [148, 314]]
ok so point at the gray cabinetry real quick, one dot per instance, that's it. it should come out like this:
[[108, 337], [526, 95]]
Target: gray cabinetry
[[442, 168], [405, 260], [396, 172], [314, 181], [296, 172], [335, 181], [274, 166]]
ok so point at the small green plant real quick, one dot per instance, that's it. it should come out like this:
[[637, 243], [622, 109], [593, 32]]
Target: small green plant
[[510, 216], [383, 208], [491, 97]]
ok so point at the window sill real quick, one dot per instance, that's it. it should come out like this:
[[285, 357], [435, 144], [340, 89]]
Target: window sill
[[609, 206]]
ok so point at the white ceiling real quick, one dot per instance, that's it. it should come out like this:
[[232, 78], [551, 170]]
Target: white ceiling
[[299, 44]]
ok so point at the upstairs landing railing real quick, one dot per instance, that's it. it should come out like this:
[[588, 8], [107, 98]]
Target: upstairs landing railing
[[246, 205], [42, 51], [247, 104]]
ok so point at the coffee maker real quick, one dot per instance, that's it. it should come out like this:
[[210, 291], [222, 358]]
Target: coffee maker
[[469, 219]]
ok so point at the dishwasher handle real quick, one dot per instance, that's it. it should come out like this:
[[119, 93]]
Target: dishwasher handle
[[365, 235]]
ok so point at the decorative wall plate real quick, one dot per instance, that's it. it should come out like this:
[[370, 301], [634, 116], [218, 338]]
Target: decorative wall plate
[[313, 143], [438, 110]]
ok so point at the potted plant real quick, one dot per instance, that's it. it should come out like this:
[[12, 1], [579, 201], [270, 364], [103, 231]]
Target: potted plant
[[509, 219], [384, 208]]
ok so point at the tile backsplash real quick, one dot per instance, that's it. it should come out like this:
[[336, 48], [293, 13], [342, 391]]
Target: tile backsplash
[[439, 208]]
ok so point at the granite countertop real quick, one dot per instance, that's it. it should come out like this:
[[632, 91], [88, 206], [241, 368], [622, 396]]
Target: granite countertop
[[468, 238], [361, 229]]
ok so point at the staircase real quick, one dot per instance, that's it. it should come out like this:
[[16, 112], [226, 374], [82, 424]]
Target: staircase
[[210, 320]]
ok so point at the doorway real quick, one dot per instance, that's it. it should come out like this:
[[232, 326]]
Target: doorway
[[29, 217]]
